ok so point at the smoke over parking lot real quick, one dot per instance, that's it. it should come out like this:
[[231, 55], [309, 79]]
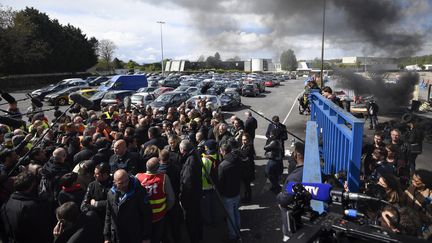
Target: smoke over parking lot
[[389, 96], [381, 27]]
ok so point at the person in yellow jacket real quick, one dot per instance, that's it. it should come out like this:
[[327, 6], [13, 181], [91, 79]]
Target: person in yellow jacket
[[210, 161]]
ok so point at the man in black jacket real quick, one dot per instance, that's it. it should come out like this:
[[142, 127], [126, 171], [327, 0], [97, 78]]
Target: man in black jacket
[[154, 139], [274, 167], [123, 159], [95, 199], [86, 153], [52, 171], [76, 227], [250, 125], [191, 190], [229, 177], [128, 214], [24, 217], [281, 131]]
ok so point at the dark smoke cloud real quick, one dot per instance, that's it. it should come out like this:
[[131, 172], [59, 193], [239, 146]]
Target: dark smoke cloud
[[389, 97], [376, 26]]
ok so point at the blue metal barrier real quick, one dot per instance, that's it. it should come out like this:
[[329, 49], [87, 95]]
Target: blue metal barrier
[[312, 167], [340, 137]]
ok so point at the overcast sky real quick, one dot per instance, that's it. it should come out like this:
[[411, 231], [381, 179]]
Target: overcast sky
[[247, 28]]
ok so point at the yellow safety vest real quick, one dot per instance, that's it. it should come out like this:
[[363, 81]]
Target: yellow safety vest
[[207, 166]]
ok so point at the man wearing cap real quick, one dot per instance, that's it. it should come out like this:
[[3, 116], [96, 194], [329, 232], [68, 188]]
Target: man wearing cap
[[210, 160], [162, 198]]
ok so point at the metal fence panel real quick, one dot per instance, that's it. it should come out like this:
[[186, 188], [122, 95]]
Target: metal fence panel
[[340, 137]]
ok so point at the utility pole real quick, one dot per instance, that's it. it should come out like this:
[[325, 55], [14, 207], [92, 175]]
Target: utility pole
[[322, 45], [162, 61]]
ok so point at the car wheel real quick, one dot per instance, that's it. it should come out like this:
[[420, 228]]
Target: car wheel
[[62, 101]]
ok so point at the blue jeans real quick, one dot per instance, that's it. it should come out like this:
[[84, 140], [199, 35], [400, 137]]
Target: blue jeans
[[232, 206]]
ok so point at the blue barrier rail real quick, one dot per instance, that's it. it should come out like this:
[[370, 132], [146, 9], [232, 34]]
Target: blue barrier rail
[[340, 137], [312, 166]]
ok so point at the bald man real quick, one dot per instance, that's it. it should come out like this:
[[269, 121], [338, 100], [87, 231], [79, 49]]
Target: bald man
[[53, 170], [128, 216], [123, 159], [162, 198]]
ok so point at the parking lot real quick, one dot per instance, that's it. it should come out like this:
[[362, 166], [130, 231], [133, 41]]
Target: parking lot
[[260, 218]]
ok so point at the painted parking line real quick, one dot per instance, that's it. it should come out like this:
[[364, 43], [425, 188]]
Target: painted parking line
[[292, 107]]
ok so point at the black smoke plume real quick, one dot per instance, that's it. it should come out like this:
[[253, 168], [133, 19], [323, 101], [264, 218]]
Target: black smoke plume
[[377, 27], [389, 96]]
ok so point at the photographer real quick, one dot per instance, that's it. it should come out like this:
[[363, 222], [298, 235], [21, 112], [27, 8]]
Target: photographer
[[418, 196], [274, 154]]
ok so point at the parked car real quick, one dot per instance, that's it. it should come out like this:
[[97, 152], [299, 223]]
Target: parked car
[[250, 90], [192, 91], [125, 82], [142, 99], [170, 82], [230, 100], [162, 90], [233, 87], [115, 97], [170, 99], [217, 88], [215, 101], [146, 89], [153, 83], [98, 81], [52, 88], [62, 97], [270, 83], [189, 82], [87, 93]]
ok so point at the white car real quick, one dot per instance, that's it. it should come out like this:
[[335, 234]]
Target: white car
[[213, 99], [142, 99]]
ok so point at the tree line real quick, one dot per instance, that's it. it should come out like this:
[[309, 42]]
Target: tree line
[[31, 42]]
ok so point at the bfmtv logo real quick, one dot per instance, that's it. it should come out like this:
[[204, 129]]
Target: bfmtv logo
[[312, 190]]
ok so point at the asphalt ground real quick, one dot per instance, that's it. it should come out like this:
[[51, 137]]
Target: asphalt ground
[[260, 219]]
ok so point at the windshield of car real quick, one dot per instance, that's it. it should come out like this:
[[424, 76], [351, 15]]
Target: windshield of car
[[225, 97], [164, 98], [137, 97], [98, 95], [182, 88]]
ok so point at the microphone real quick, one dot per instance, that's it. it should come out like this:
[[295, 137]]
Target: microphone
[[35, 101], [319, 191], [9, 98], [14, 123], [353, 213], [352, 196], [324, 193], [81, 100]]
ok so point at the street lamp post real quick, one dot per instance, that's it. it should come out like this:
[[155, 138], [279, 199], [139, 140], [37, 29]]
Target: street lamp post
[[322, 45], [162, 61]]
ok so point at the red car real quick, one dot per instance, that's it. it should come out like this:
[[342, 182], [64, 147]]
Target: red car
[[269, 83], [162, 90]]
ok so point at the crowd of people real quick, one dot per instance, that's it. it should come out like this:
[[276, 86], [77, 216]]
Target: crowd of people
[[153, 175], [125, 175]]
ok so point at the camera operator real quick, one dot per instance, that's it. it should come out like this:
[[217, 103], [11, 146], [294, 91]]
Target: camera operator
[[418, 196]]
